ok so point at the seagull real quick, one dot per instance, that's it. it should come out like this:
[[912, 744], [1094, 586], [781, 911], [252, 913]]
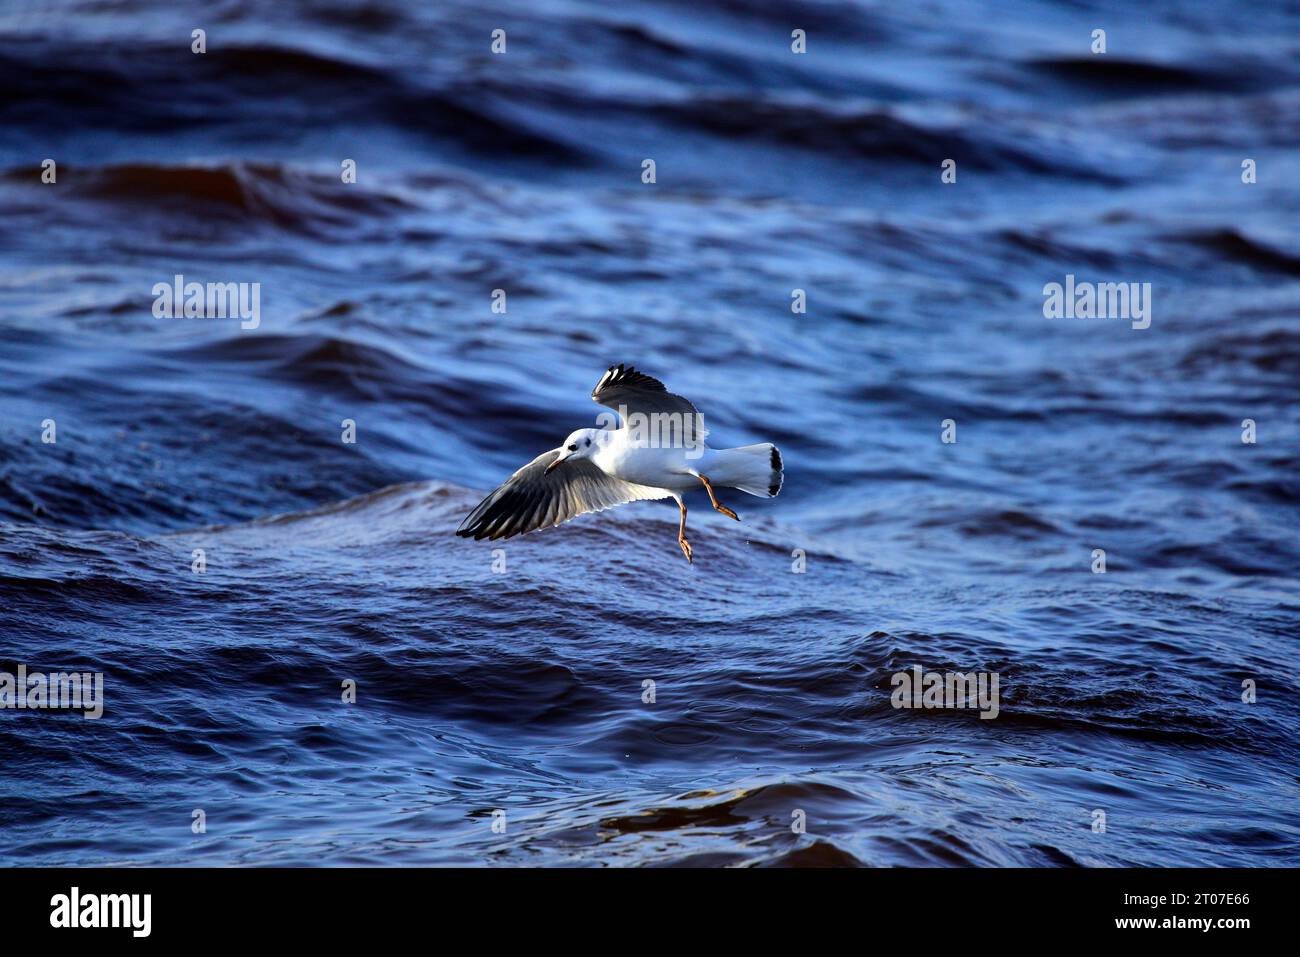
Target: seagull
[[657, 452]]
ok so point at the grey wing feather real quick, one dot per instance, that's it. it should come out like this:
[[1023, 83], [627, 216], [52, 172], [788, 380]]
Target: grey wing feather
[[627, 391], [532, 499]]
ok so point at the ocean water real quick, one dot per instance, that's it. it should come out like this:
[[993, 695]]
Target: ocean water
[[516, 694]]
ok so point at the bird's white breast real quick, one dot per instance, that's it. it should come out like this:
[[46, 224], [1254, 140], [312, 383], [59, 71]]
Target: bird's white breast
[[646, 465]]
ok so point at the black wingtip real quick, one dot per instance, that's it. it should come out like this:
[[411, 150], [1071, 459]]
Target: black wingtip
[[629, 376], [614, 374]]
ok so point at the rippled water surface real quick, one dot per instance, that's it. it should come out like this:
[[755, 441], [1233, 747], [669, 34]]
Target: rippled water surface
[[480, 690]]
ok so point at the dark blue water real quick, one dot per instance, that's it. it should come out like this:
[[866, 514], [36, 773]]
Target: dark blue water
[[521, 690]]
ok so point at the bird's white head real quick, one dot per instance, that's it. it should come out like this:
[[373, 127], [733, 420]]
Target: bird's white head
[[581, 444]]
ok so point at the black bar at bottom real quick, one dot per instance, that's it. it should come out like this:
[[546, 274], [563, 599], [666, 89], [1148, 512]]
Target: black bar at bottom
[[335, 904]]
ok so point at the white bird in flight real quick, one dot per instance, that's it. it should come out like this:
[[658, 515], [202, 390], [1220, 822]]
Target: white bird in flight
[[596, 469]]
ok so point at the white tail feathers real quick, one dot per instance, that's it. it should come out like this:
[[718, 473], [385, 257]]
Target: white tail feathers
[[755, 469]]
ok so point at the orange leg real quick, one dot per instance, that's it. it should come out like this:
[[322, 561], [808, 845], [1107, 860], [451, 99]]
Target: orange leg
[[714, 499], [681, 533]]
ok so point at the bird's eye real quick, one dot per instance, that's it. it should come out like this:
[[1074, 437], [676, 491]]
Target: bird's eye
[[573, 448]]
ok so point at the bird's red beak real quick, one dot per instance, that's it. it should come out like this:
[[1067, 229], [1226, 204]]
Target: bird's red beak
[[552, 466]]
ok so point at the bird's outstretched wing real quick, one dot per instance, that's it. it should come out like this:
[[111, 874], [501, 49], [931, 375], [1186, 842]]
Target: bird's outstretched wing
[[628, 392], [532, 498]]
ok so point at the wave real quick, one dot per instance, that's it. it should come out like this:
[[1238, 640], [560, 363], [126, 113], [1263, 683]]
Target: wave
[[1122, 76], [242, 90], [236, 193]]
